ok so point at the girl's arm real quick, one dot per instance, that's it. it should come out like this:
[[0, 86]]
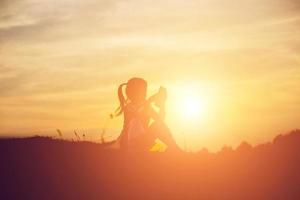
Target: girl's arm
[[159, 100], [162, 111], [157, 116]]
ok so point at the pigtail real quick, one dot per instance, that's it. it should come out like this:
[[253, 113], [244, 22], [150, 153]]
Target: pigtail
[[122, 100]]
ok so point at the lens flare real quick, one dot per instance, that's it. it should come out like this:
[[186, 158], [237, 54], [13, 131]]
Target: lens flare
[[191, 107]]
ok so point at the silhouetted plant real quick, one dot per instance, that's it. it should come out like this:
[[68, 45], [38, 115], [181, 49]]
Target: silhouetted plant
[[77, 136], [59, 133], [102, 136]]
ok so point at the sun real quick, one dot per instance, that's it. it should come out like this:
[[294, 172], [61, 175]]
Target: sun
[[187, 104], [191, 107]]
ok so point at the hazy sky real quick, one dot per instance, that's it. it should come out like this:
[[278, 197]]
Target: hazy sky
[[61, 62]]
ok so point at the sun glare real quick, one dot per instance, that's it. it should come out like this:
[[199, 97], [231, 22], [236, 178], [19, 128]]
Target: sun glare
[[191, 107], [188, 104]]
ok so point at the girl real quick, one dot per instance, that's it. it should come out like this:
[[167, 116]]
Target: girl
[[137, 131]]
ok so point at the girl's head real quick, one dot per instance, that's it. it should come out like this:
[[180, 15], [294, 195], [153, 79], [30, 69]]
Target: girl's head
[[136, 91]]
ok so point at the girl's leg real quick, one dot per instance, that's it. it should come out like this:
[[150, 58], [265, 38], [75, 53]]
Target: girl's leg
[[144, 142], [161, 131]]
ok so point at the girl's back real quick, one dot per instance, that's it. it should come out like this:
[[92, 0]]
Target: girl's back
[[136, 121]]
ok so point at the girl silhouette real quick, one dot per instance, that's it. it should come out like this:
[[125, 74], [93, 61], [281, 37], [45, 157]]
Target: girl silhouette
[[137, 131]]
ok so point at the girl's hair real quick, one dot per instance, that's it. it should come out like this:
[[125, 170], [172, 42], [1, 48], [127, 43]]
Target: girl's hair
[[136, 89]]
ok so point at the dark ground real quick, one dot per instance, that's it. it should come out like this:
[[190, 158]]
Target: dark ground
[[44, 168]]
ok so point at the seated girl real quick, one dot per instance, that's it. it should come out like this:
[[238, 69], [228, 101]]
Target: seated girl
[[137, 131]]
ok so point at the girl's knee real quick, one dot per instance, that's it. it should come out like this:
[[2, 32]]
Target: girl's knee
[[159, 129], [157, 126]]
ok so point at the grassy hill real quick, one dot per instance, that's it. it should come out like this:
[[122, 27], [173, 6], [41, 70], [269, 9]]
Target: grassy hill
[[45, 168]]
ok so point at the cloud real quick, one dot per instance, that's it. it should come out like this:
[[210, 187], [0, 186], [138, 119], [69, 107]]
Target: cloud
[[39, 21], [9, 84]]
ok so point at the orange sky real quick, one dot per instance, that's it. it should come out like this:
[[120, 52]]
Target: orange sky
[[61, 63]]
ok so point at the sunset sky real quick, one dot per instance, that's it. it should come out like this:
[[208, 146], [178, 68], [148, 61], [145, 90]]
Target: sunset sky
[[61, 62]]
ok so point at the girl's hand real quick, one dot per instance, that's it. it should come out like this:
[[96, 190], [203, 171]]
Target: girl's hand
[[161, 97], [163, 93]]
